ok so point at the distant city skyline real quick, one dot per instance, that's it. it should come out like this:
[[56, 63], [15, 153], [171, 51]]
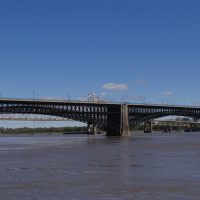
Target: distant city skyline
[[139, 51]]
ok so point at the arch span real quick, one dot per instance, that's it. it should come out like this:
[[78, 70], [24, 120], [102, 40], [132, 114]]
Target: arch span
[[96, 115], [140, 115]]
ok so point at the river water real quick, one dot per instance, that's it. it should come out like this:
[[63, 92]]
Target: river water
[[155, 166]]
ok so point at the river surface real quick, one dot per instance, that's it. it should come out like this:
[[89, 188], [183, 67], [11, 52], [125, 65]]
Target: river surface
[[73, 167]]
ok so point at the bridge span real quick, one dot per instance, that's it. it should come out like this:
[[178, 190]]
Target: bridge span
[[114, 118]]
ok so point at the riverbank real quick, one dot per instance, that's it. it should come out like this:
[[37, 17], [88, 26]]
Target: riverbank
[[46, 130]]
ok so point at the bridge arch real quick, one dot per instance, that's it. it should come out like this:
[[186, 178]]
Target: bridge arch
[[96, 115], [146, 115]]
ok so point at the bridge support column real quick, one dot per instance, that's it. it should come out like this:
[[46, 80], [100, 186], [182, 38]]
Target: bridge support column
[[124, 122], [92, 130], [148, 127], [118, 121]]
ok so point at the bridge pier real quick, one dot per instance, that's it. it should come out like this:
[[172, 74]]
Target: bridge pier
[[92, 130], [119, 121], [148, 127], [124, 121]]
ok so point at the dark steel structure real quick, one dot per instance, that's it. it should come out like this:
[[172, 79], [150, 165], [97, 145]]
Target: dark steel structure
[[114, 118]]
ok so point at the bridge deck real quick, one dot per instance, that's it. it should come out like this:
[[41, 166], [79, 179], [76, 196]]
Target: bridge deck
[[64, 101]]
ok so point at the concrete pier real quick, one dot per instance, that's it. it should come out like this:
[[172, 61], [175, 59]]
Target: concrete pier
[[92, 130], [119, 121], [148, 127], [124, 121]]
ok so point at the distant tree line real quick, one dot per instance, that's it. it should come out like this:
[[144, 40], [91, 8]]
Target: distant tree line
[[26, 130]]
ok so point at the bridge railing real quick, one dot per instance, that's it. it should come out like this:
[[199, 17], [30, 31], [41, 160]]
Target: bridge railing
[[96, 102], [51, 100]]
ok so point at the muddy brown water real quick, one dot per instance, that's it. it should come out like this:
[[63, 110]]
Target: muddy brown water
[[156, 166]]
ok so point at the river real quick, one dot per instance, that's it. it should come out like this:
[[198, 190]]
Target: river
[[85, 167]]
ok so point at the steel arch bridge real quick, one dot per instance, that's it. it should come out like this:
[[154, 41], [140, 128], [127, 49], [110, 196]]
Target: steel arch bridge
[[114, 118]]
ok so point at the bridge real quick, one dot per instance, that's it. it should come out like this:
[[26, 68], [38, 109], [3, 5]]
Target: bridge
[[114, 118]]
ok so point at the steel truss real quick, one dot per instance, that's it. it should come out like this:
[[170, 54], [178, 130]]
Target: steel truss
[[114, 118], [144, 113]]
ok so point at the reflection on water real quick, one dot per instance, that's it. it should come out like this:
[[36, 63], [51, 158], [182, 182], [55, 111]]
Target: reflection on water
[[96, 167]]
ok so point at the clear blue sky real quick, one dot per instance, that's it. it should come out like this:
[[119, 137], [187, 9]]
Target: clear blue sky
[[140, 49]]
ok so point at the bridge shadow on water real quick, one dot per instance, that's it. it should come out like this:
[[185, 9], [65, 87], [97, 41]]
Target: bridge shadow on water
[[139, 137], [103, 139]]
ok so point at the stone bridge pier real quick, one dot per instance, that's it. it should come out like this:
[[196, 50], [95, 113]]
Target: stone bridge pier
[[118, 121], [124, 121], [92, 130], [148, 127]]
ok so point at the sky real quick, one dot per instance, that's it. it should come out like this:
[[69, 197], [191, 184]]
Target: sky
[[37, 124], [131, 50]]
